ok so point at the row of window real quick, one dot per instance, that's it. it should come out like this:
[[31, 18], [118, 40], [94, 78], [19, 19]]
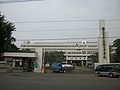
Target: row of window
[[58, 45], [77, 52], [78, 56], [71, 49], [83, 52]]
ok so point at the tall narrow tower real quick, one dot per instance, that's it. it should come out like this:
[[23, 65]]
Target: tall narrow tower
[[103, 53]]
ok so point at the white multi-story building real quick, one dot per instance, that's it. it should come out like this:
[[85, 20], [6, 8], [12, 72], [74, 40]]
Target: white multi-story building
[[75, 52]]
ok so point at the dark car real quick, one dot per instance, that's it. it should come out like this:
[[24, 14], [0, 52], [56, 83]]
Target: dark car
[[57, 67], [111, 70]]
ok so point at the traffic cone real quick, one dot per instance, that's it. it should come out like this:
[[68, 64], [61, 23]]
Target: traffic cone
[[43, 69]]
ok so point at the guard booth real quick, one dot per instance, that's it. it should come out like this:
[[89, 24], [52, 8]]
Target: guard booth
[[20, 62]]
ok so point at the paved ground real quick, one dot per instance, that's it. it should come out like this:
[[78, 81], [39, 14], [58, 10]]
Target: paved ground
[[57, 81], [79, 70]]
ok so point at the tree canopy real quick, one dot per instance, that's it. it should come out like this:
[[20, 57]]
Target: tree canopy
[[116, 43], [6, 38], [54, 57], [94, 58], [116, 56]]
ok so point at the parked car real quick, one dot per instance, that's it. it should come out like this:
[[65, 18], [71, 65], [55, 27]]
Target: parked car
[[68, 66], [57, 67], [111, 70]]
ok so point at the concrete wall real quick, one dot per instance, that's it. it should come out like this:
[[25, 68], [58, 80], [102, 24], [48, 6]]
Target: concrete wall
[[17, 54], [39, 61]]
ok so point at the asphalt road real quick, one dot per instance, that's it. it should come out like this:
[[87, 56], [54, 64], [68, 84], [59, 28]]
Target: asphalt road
[[56, 81]]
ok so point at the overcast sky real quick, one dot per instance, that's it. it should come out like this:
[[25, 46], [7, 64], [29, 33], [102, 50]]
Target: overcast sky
[[61, 10]]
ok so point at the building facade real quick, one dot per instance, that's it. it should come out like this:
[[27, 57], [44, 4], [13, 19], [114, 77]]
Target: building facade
[[75, 52]]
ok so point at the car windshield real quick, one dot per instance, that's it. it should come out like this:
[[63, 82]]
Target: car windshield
[[55, 65]]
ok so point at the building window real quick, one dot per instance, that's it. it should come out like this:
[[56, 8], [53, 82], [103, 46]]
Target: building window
[[84, 52]]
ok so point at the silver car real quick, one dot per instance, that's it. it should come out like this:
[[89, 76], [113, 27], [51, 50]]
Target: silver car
[[111, 70]]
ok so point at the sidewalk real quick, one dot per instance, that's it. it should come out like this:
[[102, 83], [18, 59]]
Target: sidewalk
[[83, 70]]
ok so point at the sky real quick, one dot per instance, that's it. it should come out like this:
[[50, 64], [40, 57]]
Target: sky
[[58, 19]]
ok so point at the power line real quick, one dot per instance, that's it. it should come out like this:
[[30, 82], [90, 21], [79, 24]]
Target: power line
[[61, 21], [113, 28], [17, 1], [53, 21], [58, 30], [87, 29], [66, 38]]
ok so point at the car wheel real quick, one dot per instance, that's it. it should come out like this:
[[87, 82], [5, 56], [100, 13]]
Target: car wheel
[[99, 74], [111, 75], [53, 71], [64, 71]]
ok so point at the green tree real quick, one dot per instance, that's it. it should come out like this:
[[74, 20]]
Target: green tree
[[12, 48], [112, 55], [94, 58], [54, 57], [116, 44], [6, 38]]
